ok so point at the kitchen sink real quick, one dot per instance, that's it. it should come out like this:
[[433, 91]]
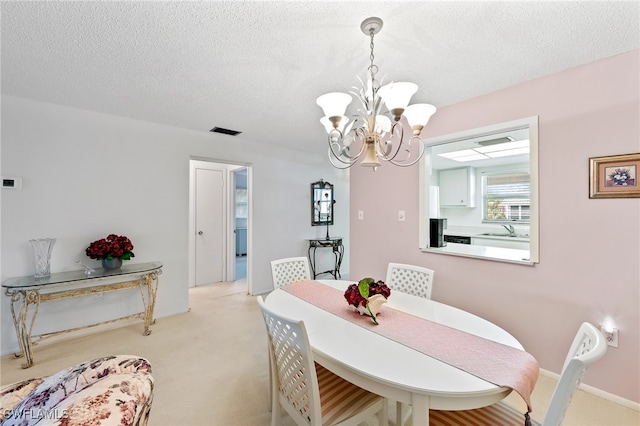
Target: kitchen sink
[[503, 234]]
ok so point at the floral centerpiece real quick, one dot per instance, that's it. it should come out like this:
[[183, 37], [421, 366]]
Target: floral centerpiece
[[367, 296], [113, 247]]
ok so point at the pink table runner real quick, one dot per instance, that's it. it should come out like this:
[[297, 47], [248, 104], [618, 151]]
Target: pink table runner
[[494, 362]]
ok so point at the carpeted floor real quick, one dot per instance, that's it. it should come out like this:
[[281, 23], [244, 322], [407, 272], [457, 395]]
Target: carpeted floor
[[210, 365]]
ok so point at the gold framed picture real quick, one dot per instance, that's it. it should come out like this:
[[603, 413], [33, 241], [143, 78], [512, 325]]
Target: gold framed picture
[[615, 176]]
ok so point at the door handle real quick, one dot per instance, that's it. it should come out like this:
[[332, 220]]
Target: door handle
[[200, 233]]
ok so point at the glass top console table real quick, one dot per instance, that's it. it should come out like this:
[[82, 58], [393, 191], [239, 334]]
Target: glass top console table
[[29, 292], [335, 244]]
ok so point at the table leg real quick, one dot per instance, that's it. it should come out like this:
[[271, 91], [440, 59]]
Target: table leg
[[339, 260], [399, 414], [336, 262], [420, 405], [22, 322], [312, 261], [150, 283]]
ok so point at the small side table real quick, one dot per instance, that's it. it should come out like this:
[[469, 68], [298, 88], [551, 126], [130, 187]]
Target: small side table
[[335, 244]]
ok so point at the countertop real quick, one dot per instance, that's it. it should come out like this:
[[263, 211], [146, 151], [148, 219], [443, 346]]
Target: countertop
[[491, 253], [477, 233]]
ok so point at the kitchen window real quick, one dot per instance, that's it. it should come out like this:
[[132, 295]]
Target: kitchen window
[[506, 197]]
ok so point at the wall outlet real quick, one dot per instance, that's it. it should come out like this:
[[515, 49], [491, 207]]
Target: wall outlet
[[611, 334]]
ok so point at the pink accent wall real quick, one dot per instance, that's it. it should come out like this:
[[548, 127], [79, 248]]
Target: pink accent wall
[[589, 249]]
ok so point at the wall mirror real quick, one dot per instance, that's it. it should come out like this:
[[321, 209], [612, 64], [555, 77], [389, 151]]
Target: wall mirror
[[322, 203], [479, 193]]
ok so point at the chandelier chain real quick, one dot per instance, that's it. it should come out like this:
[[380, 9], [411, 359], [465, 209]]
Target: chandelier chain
[[373, 69]]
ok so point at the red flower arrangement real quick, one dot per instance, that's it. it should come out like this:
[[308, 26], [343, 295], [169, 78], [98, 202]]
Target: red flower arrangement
[[112, 247], [359, 294]]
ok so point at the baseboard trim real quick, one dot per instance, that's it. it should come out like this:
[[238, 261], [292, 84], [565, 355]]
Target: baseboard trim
[[597, 392]]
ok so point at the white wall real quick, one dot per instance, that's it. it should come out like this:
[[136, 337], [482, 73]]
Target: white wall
[[86, 175]]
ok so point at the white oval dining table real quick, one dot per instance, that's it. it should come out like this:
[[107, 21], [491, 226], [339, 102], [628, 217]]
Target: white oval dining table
[[389, 368]]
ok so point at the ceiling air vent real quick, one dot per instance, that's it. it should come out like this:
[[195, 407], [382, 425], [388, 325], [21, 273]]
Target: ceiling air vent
[[225, 131], [496, 141]]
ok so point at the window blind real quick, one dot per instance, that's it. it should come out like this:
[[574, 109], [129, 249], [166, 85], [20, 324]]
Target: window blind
[[506, 196]]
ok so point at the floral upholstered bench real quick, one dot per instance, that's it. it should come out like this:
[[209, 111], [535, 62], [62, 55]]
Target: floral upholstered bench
[[114, 390]]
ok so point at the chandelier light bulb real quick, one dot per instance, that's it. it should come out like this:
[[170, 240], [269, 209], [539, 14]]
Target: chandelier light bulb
[[329, 124], [396, 96], [418, 116], [334, 104]]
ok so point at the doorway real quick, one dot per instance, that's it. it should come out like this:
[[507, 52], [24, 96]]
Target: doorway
[[219, 246], [240, 222]]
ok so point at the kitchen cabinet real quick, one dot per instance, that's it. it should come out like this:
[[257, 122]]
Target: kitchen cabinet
[[241, 203], [457, 187]]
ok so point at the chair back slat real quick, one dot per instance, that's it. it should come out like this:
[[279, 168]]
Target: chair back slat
[[410, 279], [289, 270]]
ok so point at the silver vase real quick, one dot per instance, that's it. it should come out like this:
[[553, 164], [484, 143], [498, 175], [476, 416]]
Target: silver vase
[[42, 248]]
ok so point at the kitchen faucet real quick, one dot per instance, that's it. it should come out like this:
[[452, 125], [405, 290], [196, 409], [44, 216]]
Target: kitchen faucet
[[512, 231]]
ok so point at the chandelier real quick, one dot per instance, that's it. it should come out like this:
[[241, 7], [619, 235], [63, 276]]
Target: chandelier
[[369, 136]]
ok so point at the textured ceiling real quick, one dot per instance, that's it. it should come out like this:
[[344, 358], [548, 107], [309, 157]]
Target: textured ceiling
[[258, 66]]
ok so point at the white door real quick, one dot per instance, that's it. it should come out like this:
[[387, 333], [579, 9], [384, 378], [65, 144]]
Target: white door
[[209, 226]]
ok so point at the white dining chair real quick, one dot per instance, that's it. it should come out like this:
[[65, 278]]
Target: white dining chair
[[309, 393], [588, 346], [410, 279], [286, 271], [289, 270]]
